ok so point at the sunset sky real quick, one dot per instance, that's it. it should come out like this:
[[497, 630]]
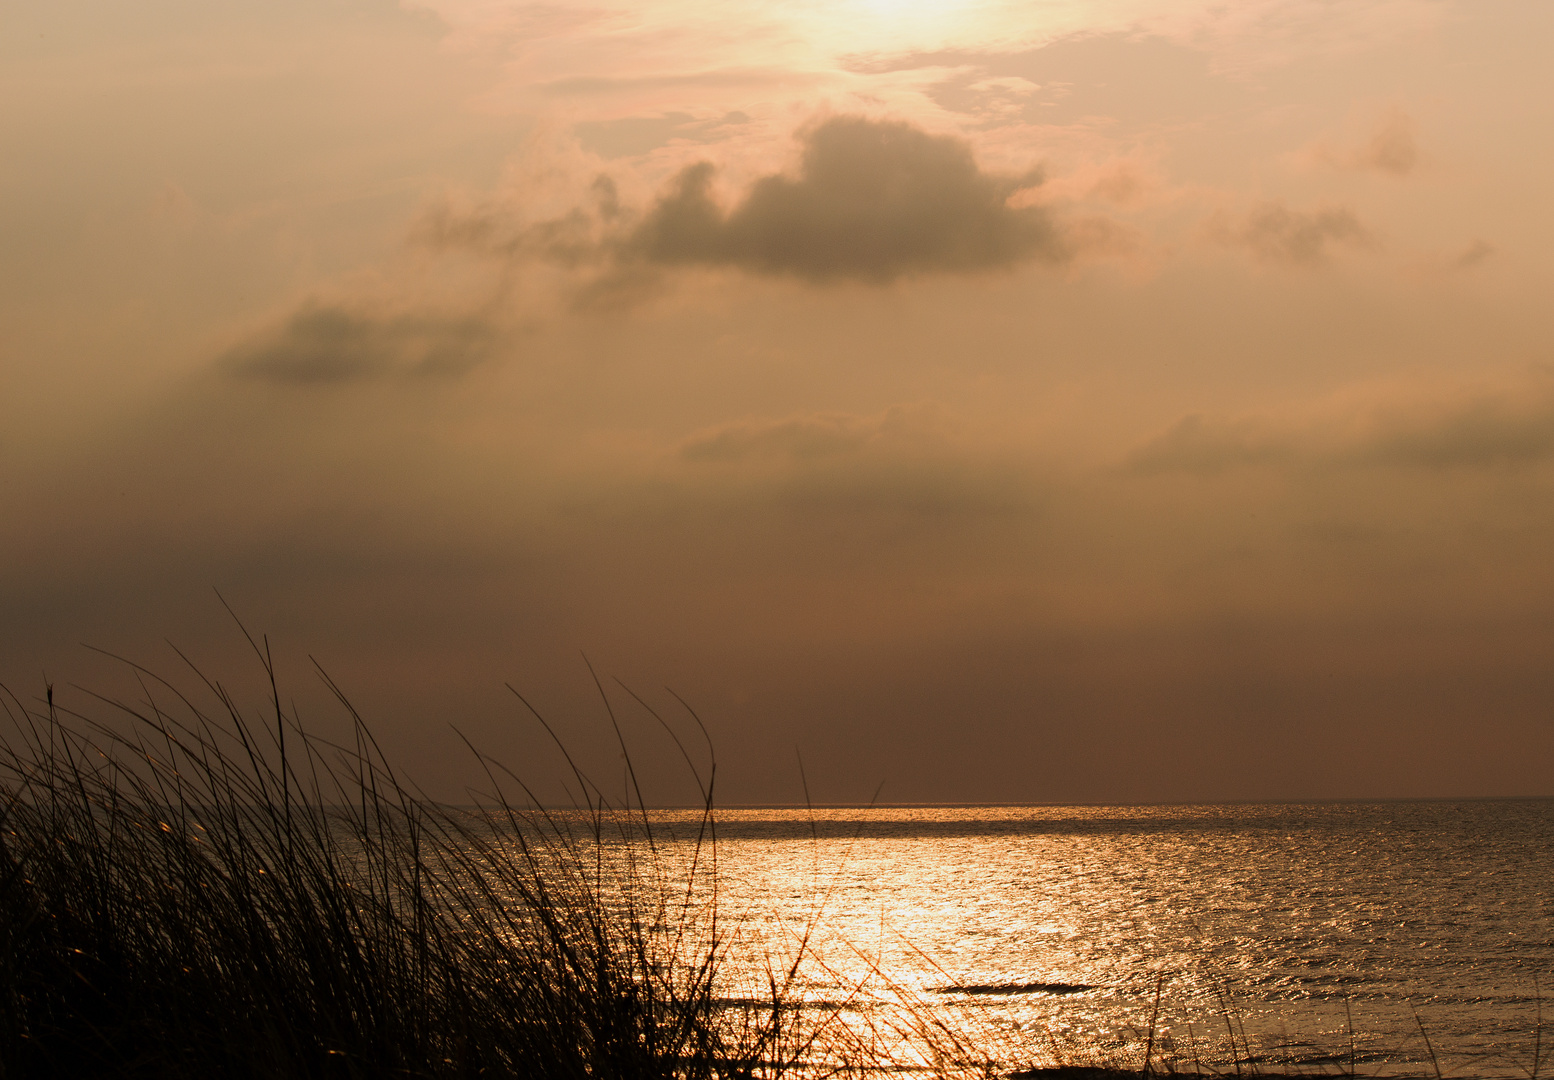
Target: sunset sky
[[1046, 401]]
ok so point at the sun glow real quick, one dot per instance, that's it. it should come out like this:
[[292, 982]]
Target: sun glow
[[916, 10], [875, 26]]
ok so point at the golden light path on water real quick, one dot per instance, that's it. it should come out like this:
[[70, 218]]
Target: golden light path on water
[[1274, 926]]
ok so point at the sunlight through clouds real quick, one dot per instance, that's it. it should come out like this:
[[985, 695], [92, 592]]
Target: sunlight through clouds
[[832, 362]]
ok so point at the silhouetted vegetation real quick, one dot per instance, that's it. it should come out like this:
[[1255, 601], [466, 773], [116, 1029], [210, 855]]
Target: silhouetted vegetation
[[185, 891]]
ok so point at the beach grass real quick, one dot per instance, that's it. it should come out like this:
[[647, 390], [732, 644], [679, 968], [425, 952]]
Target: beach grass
[[189, 891]]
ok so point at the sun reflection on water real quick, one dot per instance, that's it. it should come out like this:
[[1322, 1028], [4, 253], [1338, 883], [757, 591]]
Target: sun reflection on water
[[1046, 932]]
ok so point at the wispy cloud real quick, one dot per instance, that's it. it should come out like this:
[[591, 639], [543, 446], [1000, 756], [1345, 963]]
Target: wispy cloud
[[1124, 76], [814, 436], [716, 80], [1204, 446], [1274, 233], [805, 437], [1486, 433], [1391, 148], [1472, 255], [323, 344], [1462, 431], [628, 136]]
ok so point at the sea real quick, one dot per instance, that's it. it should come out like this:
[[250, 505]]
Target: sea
[[1401, 938]]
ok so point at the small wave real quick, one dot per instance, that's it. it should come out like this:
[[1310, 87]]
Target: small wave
[[760, 1004], [1016, 988]]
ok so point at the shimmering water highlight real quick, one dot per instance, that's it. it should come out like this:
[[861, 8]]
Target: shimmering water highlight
[[1270, 931]]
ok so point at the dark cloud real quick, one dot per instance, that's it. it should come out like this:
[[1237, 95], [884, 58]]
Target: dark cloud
[[1276, 234], [329, 344], [873, 201]]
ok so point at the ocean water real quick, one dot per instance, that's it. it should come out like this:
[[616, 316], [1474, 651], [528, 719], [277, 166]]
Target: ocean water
[[1250, 935]]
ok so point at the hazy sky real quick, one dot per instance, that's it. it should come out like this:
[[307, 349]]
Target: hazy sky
[[1039, 401]]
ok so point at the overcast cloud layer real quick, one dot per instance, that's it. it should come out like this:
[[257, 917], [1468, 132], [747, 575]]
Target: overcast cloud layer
[[1118, 402]]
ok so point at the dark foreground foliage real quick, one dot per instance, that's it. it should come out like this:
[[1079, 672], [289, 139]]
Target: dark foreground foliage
[[187, 892]]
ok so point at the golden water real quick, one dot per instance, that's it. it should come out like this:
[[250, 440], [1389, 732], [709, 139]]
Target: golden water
[[1268, 932]]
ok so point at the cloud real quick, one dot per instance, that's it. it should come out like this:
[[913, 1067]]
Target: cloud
[[1126, 77], [1472, 255], [584, 235], [1491, 432], [728, 78], [629, 136], [1276, 234], [799, 438], [324, 344], [1120, 182], [1463, 432], [1208, 447], [872, 201], [1391, 148], [815, 436]]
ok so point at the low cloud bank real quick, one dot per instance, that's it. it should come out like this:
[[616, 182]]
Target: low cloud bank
[[1489, 431]]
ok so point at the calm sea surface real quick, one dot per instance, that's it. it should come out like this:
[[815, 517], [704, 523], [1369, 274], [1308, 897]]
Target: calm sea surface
[[1269, 925]]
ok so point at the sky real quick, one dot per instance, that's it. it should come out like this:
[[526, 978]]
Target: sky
[[948, 400]]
